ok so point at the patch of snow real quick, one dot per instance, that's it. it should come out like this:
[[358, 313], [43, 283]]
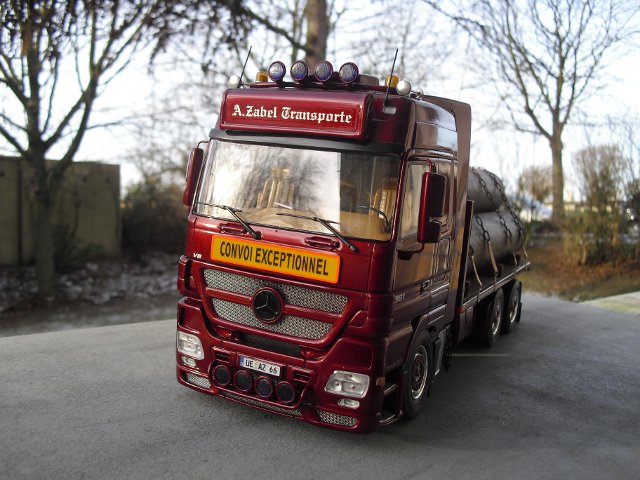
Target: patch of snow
[[97, 282]]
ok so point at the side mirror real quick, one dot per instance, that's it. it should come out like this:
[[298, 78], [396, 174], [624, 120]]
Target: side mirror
[[193, 172], [432, 196]]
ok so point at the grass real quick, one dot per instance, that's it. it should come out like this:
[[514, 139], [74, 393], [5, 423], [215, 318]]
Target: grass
[[552, 274]]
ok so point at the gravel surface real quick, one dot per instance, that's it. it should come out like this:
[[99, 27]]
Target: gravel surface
[[98, 293]]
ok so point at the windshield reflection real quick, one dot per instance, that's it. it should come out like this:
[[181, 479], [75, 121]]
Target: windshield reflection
[[357, 191]]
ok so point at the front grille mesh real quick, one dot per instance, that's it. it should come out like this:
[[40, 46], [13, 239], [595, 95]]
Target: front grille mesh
[[337, 419], [196, 380], [301, 297], [256, 403], [289, 324]]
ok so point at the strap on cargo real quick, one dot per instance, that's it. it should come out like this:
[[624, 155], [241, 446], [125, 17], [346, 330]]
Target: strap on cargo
[[493, 259], [473, 264]]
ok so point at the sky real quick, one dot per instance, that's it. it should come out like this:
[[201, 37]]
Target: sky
[[131, 93]]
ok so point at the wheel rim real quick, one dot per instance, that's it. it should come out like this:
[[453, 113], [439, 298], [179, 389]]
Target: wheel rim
[[419, 369], [513, 307], [495, 320]]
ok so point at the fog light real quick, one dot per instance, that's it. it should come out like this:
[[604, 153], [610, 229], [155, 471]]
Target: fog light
[[277, 70], [348, 403], [189, 345], [264, 387], [324, 71], [189, 362], [285, 392], [348, 72], [299, 71], [243, 380], [347, 384], [222, 375]]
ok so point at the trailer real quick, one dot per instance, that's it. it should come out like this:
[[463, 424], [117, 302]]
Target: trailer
[[333, 256]]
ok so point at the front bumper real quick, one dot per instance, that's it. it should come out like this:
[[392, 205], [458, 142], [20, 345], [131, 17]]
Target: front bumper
[[308, 375]]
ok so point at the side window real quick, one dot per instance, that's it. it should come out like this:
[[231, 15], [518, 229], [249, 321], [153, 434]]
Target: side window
[[411, 202]]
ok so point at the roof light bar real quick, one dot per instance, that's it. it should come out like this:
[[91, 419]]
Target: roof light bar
[[349, 73], [299, 71], [277, 71]]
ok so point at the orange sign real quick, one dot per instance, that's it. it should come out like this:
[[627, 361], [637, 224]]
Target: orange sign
[[276, 258]]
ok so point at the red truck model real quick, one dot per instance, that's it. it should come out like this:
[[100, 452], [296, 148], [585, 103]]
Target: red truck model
[[330, 261]]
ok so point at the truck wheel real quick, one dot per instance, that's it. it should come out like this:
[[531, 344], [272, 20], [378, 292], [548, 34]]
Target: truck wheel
[[419, 375], [512, 314], [493, 319]]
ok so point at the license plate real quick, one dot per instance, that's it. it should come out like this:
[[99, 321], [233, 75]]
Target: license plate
[[260, 366]]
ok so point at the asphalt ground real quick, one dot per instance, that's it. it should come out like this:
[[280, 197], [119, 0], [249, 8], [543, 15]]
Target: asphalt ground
[[557, 398]]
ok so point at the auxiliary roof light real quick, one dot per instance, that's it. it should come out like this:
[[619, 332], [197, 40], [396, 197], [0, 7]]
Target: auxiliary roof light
[[348, 72], [403, 88], [391, 81], [262, 76], [324, 71], [277, 70], [234, 81], [299, 71]]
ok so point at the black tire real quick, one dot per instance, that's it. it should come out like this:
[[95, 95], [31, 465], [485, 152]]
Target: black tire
[[419, 368], [493, 319], [512, 309]]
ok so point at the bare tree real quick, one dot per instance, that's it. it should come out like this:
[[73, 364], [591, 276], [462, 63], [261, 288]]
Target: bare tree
[[52, 51], [535, 187], [548, 57], [421, 58], [317, 31]]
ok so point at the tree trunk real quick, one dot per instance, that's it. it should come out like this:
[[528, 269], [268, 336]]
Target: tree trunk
[[557, 215], [44, 247], [317, 31]]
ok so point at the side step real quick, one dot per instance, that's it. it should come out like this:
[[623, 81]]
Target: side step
[[389, 388], [387, 418]]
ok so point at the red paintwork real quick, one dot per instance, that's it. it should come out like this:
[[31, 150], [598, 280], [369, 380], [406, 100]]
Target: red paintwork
[[374, 331]]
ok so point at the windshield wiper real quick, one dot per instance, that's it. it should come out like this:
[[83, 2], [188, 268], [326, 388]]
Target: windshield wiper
[[234, 212], [326, 224]]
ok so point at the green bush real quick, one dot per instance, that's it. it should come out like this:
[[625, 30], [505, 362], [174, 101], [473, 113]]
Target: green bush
[[590, 236], [153, 218]]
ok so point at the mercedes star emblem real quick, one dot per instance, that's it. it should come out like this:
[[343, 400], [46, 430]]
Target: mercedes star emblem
[[267, 305]]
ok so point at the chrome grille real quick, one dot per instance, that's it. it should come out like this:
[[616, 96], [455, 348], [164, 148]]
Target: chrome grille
[[288, 324], [256, 403], [301, 297], [196, 380], [337, 419]]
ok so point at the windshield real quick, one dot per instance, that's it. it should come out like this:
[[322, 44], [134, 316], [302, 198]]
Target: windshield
[[355, 190]]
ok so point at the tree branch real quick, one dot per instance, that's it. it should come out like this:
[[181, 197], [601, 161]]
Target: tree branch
[[12, 140]]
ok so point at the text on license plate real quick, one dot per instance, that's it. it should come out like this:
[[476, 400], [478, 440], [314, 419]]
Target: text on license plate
[[259, 366]]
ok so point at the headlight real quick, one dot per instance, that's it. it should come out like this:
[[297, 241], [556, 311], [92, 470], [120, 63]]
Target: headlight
[[190, 345], [348, 384]]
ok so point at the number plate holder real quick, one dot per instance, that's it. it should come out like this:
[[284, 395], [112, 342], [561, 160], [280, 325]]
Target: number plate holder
[[260, 366]]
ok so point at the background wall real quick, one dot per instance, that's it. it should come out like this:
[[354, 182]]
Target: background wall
[[87, 214]]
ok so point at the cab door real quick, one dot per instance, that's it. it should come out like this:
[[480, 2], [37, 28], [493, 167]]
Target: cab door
[[422, 271]]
